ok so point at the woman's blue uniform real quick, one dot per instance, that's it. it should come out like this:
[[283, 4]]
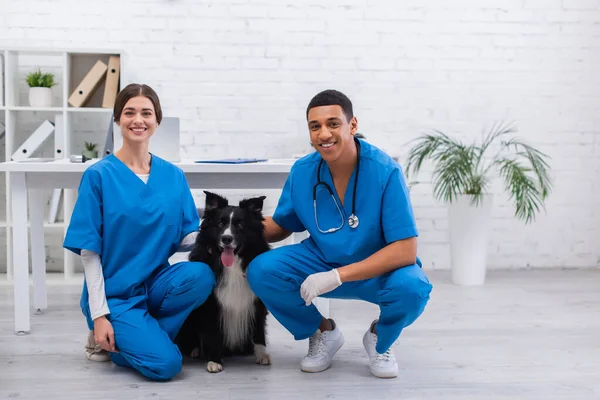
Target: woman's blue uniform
[[385, 215], [135, 227]]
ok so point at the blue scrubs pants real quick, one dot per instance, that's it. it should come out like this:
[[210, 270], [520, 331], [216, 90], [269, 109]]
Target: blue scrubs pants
[[144, 334], [276, 277]]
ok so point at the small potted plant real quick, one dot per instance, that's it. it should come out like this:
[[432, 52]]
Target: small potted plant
[[462, 175], [40, 88], [90, 150]]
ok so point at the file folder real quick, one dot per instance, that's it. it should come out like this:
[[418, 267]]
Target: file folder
[[88, 84], [34, 142], [59, 137], [110, 142], [54, 206], [232, 161], [112, 82]]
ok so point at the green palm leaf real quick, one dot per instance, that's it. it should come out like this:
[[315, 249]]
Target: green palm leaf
[[430, 146], [522, 189], [535, 159], [452, 173], [495, 132]]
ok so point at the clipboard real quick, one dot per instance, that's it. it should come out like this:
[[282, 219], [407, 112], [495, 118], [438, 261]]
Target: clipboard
[[232, 161]]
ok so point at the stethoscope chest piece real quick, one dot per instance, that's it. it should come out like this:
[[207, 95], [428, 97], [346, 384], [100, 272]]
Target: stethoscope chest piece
[[353, 221]]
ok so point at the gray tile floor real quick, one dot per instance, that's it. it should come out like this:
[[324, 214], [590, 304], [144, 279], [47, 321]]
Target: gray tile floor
[[524, 335]]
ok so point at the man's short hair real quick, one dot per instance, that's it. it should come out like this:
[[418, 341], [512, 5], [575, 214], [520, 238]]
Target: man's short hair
[[331, 97]]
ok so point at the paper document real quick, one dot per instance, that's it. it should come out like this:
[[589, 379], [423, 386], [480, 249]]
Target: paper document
[[232, 161]]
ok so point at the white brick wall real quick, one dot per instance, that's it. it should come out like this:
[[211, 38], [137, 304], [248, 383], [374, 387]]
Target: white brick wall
[[240, 73]]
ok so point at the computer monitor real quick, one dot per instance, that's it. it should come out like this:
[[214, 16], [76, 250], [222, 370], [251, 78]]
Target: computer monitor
[[164, 142]]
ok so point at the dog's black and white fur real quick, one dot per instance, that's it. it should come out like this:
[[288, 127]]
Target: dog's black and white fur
[[232, 321]]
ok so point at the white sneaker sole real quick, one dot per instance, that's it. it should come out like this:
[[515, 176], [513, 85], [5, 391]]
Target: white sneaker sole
[[321, 368], [98, 356], [384, 374]]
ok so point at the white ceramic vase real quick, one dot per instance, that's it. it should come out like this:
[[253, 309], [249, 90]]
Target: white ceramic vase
[[469, 227], [40, 97]]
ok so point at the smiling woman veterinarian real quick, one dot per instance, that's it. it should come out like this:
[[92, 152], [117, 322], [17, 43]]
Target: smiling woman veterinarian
[[133, 211], [362, 242]]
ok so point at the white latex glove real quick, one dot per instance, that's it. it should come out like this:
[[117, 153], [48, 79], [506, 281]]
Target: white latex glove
[[317, 284]]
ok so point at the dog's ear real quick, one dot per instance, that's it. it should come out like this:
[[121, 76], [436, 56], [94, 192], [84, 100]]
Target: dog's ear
[[254, 204], [214, 201]]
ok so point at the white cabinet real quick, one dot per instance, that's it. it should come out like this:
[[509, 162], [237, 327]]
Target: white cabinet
[[73, 126]]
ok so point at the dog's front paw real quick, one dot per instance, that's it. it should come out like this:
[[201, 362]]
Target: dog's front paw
[[264, 359], [214, 367], [196, 353]]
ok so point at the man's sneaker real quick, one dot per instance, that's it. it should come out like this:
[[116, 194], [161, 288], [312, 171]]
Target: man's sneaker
[[322, 347], [381, 365], [93, 351]]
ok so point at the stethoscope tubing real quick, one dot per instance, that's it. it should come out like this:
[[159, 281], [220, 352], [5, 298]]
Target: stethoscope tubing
[[353, 219]]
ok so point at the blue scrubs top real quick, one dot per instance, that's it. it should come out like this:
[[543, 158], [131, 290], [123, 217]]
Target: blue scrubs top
[[134, 226], [382, 205]]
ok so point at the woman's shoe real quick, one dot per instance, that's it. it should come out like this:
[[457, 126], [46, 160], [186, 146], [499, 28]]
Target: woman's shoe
[[93, 351]]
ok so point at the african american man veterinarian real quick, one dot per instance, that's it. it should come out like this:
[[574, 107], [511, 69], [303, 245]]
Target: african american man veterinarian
[[352, 199]]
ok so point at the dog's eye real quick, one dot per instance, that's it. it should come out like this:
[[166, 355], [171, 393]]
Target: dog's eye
[[221, 224], [240, 225]]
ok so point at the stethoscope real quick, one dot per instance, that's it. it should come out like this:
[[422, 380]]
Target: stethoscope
[[352, 219]]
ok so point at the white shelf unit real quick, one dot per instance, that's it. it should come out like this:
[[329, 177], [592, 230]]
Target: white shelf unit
[[69, 67]]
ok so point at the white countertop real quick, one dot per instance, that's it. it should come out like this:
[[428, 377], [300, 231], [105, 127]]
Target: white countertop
[[51, 165]]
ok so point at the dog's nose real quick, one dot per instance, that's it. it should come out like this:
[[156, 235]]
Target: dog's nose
[[226, 239]]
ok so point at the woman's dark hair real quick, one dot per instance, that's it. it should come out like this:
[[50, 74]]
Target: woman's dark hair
[[133, 90]]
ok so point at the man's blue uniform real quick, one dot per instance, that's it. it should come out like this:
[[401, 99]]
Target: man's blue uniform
[[385, 215]]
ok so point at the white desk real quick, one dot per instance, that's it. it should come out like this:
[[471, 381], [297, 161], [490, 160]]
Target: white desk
[[30, 177]]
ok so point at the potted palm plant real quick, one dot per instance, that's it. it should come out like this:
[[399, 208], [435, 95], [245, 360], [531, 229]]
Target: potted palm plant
[[462, 176], [40, 88]]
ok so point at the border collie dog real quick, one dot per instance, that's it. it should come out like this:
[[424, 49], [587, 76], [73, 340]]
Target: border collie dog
[[232, 321]]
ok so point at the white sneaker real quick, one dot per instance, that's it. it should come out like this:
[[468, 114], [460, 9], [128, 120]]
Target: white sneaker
[[321, 349], [93, 351], [381, 365]]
